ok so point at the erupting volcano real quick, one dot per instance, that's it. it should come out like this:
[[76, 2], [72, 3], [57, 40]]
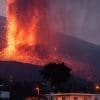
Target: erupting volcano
[[27, 35], [31, 38]]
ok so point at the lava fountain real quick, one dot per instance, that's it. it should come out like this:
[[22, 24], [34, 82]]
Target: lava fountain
[[20, 31], [24, 22]]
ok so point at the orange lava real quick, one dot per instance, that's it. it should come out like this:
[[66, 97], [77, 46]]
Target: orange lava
[[26, 38], [20, 35]]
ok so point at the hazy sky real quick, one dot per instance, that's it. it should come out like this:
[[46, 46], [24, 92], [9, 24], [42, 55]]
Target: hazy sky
[[81, 18], [2, 8]]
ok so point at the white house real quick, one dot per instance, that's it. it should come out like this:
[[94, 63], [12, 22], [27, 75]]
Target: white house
[[73, 96], [4, 94]]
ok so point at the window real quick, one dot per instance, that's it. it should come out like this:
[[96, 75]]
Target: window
[[75, 98], [85, 98], [63, 98]]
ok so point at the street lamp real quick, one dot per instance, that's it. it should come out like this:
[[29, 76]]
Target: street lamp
[[97, 87], [38, 90]]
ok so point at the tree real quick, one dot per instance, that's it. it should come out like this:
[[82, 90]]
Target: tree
[[55, 74]]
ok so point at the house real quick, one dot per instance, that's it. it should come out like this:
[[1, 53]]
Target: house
[[73, 96], [4, 95]]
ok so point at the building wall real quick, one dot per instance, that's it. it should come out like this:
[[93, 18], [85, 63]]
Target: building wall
[[74, 97], [95, 98]]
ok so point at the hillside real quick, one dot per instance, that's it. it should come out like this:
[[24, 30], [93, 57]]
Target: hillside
[[81, 56], [19, 71]]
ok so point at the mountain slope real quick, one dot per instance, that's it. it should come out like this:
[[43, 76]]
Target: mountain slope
[[19, 71], [81, 56]]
